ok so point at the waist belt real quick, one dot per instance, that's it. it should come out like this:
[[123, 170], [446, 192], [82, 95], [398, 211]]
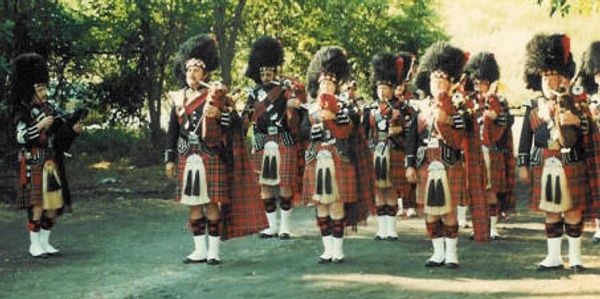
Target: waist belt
[[449, 155]]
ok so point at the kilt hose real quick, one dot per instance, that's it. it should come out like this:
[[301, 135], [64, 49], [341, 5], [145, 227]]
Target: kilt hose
[[577, 181], [455, 175], [216, 177]]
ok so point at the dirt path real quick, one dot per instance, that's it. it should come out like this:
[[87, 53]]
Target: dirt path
[[133, 248]]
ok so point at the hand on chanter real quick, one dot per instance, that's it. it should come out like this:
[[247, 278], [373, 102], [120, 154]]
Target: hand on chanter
[[78, 128], [567, 118], [524, 174], [45, 123], [411, 175]]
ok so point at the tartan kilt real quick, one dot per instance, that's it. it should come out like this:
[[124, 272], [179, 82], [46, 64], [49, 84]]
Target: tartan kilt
[[498, 172], [577, 181], [288, 167], [408, 196], [216, 176], [592, 142], [345, 175], [398, 173], [455, 174], [30, 193], [247, 208]]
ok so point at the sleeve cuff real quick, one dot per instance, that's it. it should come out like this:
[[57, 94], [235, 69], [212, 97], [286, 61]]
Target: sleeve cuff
[[32, 133], [410, 161], [523, 160], [170, 156]]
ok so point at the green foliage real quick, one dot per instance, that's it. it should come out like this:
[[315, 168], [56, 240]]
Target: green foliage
[[117, 55], [119, 144], [565, 7]]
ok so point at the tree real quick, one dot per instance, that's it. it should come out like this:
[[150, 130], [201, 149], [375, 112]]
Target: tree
[[565, 7]]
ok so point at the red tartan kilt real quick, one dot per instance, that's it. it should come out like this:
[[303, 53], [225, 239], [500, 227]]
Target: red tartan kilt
[[31, 194], [288, 167], [576, 179], [409, 197], [345, 178], [398, 173], [499, 177], [455, 174], [216, 175]]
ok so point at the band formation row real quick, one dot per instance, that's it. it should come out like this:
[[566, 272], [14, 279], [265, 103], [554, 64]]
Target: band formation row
[[318, 143]]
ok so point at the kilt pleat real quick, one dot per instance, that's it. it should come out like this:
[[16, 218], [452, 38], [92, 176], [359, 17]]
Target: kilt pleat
[[576, 180], [216, 176]]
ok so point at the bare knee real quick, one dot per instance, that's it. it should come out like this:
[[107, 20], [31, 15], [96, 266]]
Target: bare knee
[[336, 210], [322, 210], [196, 212], [553, 217], [213, 212]]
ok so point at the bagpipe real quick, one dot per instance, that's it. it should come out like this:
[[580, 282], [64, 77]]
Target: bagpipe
[[267, 108], [61, 118]]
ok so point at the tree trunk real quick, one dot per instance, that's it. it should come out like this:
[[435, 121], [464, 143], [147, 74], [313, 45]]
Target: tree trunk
[[228, 38]]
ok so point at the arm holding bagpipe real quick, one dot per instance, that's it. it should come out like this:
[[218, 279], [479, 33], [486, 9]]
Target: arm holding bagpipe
[[218, 114], [451, 120]]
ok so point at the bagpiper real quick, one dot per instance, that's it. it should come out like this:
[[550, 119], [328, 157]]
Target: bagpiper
[[385, 122], [214, 176], [338, 178], [434, 151], [275, 125], [590, 79], [494, 122], [555, 144], [44, 132]]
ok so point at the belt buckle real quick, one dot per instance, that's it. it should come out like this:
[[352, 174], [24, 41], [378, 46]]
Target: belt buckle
[[193, 139], [272, 130]]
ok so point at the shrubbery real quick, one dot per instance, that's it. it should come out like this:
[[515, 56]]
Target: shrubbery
[[119, 144]]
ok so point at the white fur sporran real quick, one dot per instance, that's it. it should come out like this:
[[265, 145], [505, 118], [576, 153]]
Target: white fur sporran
[[381, 161], [438, 199], [326, 189], [555, 195], [271, 162], [194, 191]]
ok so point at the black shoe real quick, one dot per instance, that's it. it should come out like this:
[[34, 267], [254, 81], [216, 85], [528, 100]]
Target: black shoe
[[378, 238], [324, 261], [472, 236], [337, 261], [452, 265], [190, 261], [543, 268], [433, 264], [392, 238], [213, 262], [265, 236], [578, 268], [41, 256], [595, 240], [284, 236]]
